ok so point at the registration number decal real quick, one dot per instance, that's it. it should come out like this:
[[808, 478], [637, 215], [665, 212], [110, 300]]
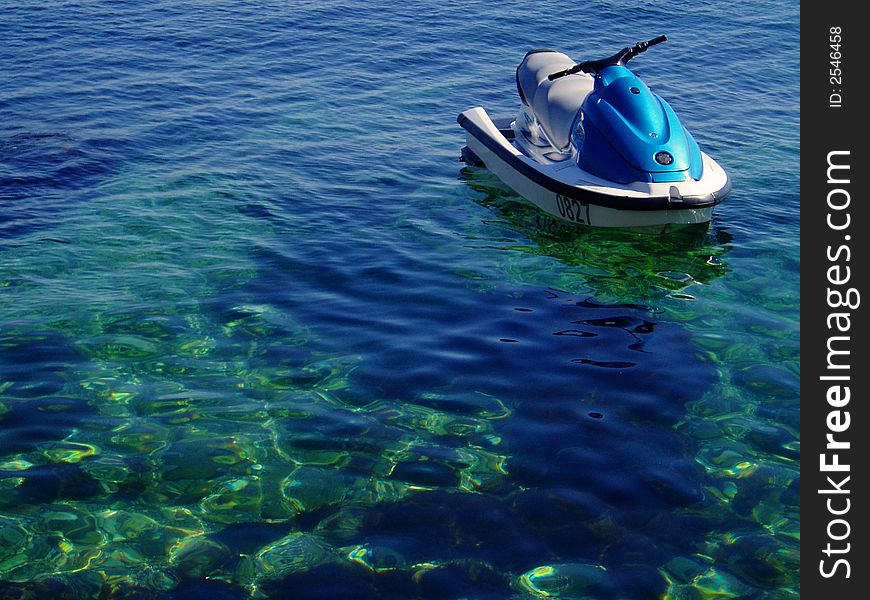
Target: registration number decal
[[572, 209]]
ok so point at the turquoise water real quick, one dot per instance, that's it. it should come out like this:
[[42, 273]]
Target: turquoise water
[[262, 335]]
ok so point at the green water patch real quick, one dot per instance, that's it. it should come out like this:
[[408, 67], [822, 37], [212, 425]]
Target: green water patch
[[171, 409]]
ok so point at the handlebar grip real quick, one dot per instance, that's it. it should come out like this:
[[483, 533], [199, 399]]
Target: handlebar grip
[[559, 74], [644, 46]]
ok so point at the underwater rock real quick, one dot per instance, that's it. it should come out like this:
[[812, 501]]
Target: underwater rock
[[123, 526], [315, 456], [184, 492], [116, 473], [68, 451], [311, 488], [778, 518], [762, 436], [75, 525], [122, 562], [292, 378], [245, 571], [149, 324], [470, 431], [787, 416], [14, 541], [572, 580], [164, 408], [435, 422], [199, 347], [486, 471], [133, 535], [344, 524], [334, 373], [727, 458], [180, 518], [375, 558], [682, 569], [701, 429], [762, 485], [274, 508], [294, 552], [332, 435], [120, 347], [48, 553], [255, 321], [690, 579], [720, 400], [376, 490], [149, 534], [758, 558], [188, 467], [142, 437], [197, 557], [57, 586], [234, 501], [134, 581], [476, 404]]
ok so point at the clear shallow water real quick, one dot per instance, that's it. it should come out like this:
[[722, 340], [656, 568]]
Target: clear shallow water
[[261, 334]]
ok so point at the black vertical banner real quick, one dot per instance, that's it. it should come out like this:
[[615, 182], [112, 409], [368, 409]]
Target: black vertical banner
[[835, 300]]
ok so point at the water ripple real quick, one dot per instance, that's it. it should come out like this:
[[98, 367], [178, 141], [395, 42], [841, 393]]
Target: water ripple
[[262, 333]]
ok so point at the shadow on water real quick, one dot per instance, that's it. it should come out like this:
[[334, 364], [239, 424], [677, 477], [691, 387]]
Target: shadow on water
[[742, 503], [616, 264]]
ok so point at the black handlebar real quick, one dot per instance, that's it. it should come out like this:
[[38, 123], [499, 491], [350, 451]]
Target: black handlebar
[[620, 58], [642, 46]]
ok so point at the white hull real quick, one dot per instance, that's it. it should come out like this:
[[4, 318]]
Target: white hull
[[579, 197]]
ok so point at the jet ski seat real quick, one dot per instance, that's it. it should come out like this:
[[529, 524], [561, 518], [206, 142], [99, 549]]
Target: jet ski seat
[[554, 103]]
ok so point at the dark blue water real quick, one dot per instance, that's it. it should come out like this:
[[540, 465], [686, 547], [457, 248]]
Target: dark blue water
[[263, 335]]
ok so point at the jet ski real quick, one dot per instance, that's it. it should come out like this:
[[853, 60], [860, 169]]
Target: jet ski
[[593, 145]]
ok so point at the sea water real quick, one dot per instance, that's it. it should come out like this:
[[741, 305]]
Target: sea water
[[262, 335]]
